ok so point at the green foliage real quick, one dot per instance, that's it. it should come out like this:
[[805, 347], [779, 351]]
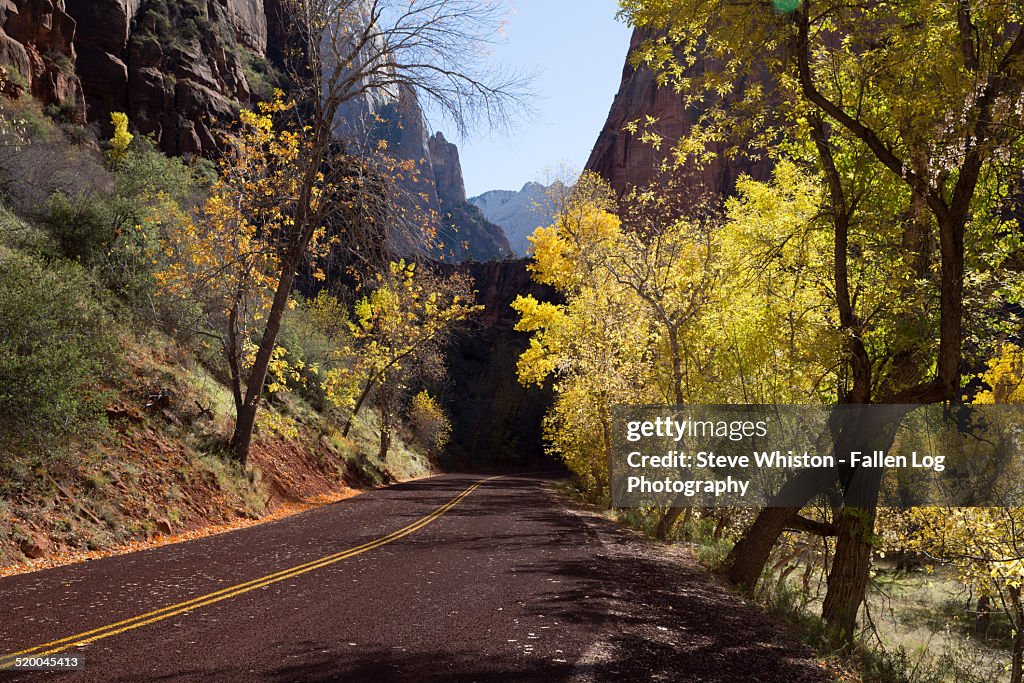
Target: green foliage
[[263, 78], [115, 231], [56, 343], [18, 234], [316, 335], [82, 226], [430, 424], [714, 553]]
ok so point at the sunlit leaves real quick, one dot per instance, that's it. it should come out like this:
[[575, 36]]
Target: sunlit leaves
[[406, 313], [122, 138]]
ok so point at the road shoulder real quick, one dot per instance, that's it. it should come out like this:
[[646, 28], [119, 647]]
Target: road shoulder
[[671, 619]]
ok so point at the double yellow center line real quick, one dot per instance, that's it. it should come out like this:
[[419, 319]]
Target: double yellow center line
[[86, 637]]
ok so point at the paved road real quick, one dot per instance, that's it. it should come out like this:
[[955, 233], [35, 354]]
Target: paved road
[[446, 578]]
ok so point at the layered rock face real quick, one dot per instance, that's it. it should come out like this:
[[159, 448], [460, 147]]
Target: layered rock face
[[444, 157], [519, 213], [174, 66], [397, 118], [625, 161], [37, 47], [470, 236], [180, 69]]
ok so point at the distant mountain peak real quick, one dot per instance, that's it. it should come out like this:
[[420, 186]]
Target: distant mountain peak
[[518, 213]]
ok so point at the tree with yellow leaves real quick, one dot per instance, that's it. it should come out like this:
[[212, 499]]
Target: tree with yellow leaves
[[122, 138], [287, 177], [228, 259], [400, 323], [631, 327]]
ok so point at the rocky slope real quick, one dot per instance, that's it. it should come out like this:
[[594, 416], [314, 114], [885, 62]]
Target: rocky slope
[[518, 213], [625, 161]]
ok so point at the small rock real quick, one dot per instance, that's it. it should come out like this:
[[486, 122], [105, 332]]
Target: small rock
[[35, 546]]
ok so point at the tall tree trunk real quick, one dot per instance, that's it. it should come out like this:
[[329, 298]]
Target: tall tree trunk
[[241, 439], [385, 435], [1017, 665], [866, 432], [848, 577], [359, 404], [304, 225], [668, 520], [606, 440], [672, 514]]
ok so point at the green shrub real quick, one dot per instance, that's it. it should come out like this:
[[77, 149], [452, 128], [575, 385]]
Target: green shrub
[[261, 76], [310, 346], [115, 231], [56, 340], [713, 554], [82, 226], [146, 171], [17, 234], [315, 332]]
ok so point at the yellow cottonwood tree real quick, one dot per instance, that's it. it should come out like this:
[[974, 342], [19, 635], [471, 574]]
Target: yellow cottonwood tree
[[405, 317], [226, 260]]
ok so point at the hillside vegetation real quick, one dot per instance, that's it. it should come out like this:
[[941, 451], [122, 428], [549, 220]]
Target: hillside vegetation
[[115, 400]]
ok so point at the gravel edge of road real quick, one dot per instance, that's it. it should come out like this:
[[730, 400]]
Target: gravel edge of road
[[620, 543]]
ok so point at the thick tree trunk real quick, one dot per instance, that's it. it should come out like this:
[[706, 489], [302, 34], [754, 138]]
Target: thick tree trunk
[[241, 439], [747, 559], [866, 432], [848, 577], [668, 520], [1017, 665], [246, 420]]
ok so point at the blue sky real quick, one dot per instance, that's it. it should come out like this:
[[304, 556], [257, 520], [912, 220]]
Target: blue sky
[[577, 49]]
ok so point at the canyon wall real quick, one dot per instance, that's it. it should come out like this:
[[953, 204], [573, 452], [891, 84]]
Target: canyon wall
[[37, 49], [496, 421], [466, 233], [626, 161], [181, 69]]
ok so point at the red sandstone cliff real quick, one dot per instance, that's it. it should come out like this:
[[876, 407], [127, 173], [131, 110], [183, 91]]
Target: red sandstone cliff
[[625, 161]]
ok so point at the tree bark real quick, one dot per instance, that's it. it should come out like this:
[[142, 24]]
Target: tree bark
[[359, 404], [304, 226], [1017, 665], [667, 521], [385, 435], [241, 439], [848, 577], [747, 560]]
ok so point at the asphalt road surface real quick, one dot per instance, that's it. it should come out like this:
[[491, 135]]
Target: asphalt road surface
[[449, 578]]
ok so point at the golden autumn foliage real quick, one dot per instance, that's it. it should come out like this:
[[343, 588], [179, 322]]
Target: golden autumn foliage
[[407, 313], [122, 138], [225, 261]]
